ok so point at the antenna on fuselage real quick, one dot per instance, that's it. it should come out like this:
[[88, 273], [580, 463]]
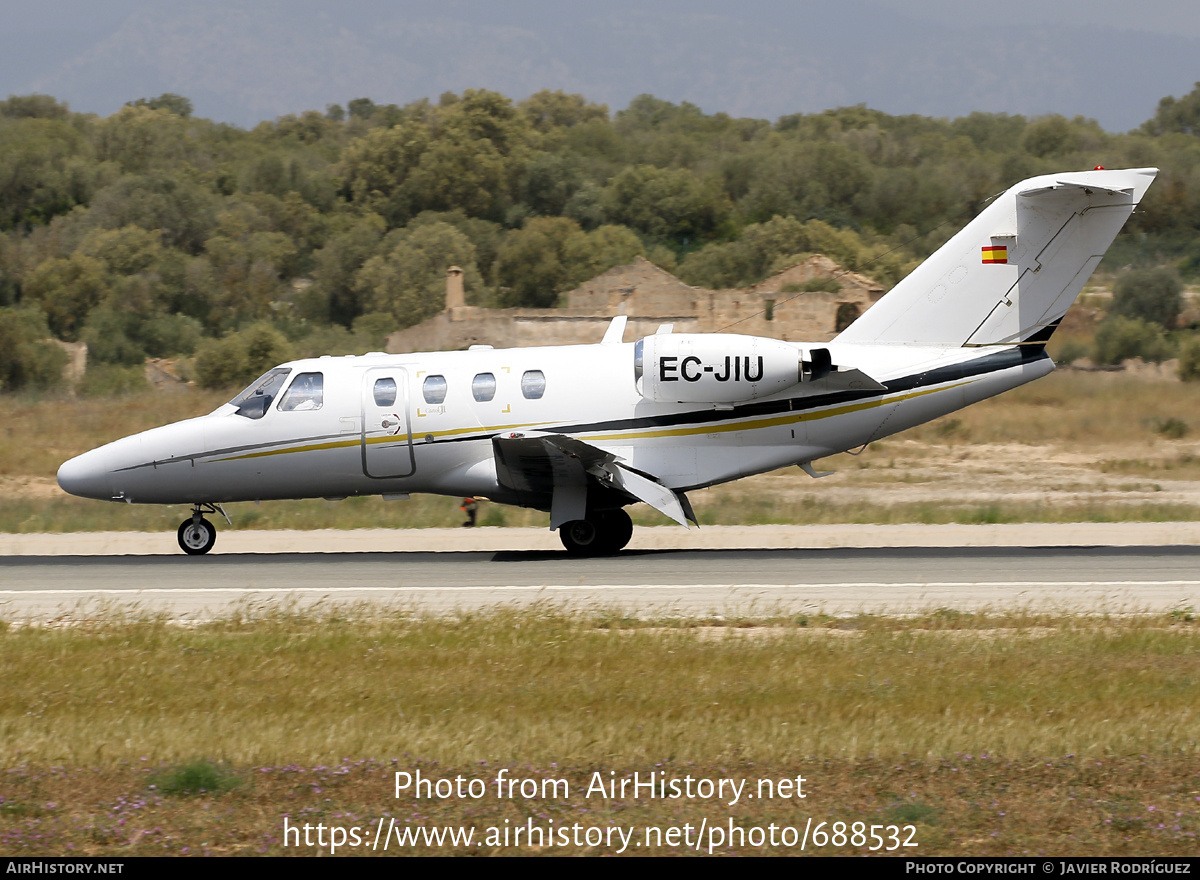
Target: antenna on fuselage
[[615, 334]]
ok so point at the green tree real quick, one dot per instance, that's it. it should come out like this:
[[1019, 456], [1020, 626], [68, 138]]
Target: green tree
[[333, 296], [1119, 338], [1176, 115], [547, 110], [33, 107], [1154, 295], [407, 279], [67, 290], [360, 108], [475, 161], [459, 172], [249, 270], [1189, 359], [549, 182], [551, 255], [141, 139], [130, 250], [27, 359], [172, 103], [531, 265], [805, 179], [485, 235], [375, 169], [108, 336], [46, 169], [667, 205], [181, 211], [599, 250], [240, 357], [765, 248]]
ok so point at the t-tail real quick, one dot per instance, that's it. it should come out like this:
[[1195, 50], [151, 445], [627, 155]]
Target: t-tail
[[1010, 275]]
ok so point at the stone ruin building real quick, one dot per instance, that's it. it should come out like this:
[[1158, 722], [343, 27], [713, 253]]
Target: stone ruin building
[[649, 297]]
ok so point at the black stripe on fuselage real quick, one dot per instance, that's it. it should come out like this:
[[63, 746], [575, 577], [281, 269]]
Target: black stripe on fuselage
[[990, 363]]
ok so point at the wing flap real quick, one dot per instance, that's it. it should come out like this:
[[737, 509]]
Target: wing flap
[[658, 496], [561, 469]]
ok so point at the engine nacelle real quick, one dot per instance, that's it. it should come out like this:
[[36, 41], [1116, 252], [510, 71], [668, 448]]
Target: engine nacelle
[[720, 367]]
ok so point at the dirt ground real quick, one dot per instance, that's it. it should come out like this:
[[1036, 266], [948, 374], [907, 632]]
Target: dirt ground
[[899, 471]]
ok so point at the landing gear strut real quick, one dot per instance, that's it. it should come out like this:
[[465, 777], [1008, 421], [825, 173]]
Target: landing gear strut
[[197, 535], [603, 533]]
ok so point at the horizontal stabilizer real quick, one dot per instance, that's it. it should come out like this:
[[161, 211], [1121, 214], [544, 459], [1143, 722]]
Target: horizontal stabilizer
[[1082, 186]]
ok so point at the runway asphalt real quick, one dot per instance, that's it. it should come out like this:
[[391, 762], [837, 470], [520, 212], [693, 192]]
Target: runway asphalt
[[1159, 575]]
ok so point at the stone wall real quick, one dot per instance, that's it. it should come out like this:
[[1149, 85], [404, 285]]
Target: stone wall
[[649, 297]]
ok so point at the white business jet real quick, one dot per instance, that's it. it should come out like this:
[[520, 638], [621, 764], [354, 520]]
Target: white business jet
[[582, 431]]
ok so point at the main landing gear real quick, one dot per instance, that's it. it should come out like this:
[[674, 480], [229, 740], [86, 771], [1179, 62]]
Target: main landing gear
[[603, 533], [197, 535]]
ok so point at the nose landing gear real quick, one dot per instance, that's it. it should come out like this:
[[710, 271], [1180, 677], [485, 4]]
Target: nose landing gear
[[197, 535]]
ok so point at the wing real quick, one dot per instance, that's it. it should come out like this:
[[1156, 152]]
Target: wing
[[565, 470]]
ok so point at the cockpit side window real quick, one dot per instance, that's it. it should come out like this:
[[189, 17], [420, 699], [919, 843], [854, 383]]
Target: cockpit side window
[[306, 393], [256, 399]]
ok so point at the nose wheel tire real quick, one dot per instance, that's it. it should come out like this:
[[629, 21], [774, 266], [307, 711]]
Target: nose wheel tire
[[196, 537], [603, 533]]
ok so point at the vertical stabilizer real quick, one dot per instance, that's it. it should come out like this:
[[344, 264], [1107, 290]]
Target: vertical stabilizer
[[1011, 274]]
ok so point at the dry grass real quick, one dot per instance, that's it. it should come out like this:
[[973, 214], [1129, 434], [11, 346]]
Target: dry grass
[[543, 686], [989, 734], [39, 434]]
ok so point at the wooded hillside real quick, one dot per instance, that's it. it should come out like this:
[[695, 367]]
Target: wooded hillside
[[155, 233]]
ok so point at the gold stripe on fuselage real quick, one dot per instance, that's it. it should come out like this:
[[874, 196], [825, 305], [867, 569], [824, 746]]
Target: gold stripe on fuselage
[[635, 434]]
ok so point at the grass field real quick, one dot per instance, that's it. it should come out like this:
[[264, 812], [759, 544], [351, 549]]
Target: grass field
[[988, 734], [1075, 446]]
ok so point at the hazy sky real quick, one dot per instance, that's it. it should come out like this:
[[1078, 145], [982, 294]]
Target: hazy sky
[[244, 61], [1173, 17]]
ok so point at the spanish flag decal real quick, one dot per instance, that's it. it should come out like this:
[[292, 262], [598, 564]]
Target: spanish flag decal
[[995, 254]]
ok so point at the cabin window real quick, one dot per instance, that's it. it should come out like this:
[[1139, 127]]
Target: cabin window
[[305, 394], [533, 384], [385, 392], [256, 399], [483, 387], [434, 389]]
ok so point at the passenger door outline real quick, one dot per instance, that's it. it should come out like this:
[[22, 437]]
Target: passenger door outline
[[383, 457]]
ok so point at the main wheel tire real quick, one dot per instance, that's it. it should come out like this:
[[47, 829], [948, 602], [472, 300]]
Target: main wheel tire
[[603, 533], [582, 537], [197, 538], [617, 529]]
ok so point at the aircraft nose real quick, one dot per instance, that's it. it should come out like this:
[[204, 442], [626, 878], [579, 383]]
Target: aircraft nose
[[85, 476]]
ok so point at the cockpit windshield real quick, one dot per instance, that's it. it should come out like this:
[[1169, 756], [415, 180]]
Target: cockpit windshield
[[256, 399]]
